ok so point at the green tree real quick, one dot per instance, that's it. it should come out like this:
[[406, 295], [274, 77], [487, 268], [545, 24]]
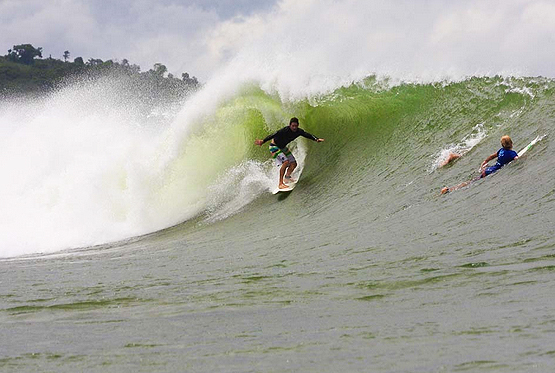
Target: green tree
[[159, 69], [94, 62], [188, 80], [24, 53], [22, 73]]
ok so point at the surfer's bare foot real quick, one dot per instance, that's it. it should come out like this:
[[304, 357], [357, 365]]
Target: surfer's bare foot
[[283, 186], [289, 179], [445, 190]]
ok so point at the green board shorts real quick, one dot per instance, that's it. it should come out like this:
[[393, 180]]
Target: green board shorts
[[281, 155]]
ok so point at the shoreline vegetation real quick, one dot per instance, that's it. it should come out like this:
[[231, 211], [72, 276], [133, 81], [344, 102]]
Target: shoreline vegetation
[[23, 72]]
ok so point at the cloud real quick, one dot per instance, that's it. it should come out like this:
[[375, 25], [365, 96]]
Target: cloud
[[425, 39], [31, 22], [144, 32], [295, 40]]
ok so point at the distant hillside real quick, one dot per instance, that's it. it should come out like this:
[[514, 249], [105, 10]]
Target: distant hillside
[[24, 71]]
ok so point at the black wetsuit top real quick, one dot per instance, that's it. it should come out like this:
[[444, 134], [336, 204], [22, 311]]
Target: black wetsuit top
[[285, 135]]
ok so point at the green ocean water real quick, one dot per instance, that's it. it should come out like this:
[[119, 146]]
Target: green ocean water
[[363, 267]]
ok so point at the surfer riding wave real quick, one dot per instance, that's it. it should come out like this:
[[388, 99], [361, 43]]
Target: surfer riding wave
[[281, 153]]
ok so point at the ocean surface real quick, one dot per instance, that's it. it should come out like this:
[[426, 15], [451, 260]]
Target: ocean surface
[[129, 243]]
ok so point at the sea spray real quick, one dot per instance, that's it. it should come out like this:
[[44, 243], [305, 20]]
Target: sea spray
[[89, 165]]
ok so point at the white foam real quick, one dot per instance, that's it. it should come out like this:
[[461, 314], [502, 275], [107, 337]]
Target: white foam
[[83, 167], [466, 144], [242, 184]]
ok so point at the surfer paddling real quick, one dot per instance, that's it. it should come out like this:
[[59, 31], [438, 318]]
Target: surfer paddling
[[504, 156], [279, 151]]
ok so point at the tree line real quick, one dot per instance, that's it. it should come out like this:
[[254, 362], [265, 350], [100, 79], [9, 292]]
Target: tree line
[[24, 70]]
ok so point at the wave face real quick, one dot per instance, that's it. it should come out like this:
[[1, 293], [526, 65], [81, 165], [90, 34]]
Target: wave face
[[83, 167]]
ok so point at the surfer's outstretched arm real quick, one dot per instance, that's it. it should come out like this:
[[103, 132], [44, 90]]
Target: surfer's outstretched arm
[[490, 158]]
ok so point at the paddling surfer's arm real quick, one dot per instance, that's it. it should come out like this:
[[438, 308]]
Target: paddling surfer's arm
[[491, 157]]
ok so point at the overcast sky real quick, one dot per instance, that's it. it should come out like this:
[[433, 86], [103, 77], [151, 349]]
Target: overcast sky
[[322, 36], [172, 32]]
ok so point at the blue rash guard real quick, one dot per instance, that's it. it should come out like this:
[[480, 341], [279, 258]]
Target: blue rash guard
[[504, 156]]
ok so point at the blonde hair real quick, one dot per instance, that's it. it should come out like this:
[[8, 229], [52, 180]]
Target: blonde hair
[[506, 142]]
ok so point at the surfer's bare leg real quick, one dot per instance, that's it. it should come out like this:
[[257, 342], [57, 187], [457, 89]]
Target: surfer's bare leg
[[452, 157], [284, 166], [290, 170], [461, 185]]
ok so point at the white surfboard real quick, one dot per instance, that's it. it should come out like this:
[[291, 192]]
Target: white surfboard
[[532, 143], [296, 175], [277, 190], [291, 187]]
